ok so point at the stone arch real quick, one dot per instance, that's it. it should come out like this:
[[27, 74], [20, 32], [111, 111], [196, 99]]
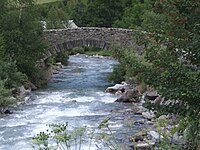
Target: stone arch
[[69, 44]]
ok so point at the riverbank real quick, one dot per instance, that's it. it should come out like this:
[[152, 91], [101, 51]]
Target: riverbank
[[156, 130], [46, 70], [21, 95]]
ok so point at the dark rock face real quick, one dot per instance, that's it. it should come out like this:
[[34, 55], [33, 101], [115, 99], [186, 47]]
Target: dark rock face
[[130, 96], [138, 138], [8, 112]]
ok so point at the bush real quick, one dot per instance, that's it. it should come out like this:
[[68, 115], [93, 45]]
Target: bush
[[118, 74], [6, 98], [11, 77]]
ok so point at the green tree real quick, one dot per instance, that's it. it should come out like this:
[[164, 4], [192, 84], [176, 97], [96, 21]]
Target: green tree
[[57, 16], [9, 75], [22, 33], [78, 14], [103, 13], [132, 16], [5, 97], [10, 78], [170, 62]]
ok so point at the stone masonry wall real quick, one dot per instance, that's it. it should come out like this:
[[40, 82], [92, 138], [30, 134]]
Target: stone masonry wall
[[63, 39]]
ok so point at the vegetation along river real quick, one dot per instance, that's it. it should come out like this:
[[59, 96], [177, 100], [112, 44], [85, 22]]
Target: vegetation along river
[[74, 95]]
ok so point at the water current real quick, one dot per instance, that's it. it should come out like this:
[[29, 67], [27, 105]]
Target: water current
[[74, 95]]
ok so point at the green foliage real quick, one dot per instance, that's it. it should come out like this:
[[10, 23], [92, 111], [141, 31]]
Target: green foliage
[[9, 74], [108, 138], [41, 76], [10, 77], [149, 18], [118, 74], [57, 17], [98, 13], [5, 96], [78, 14], [22, 35], [170, 60], [55, 14], [132, 16], [166, 139], [131, 67], [102, 13], [60, 57], [59, 137]]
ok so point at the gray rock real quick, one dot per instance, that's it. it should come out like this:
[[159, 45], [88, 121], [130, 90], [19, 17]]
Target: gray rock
[[145, 145], [30, 85], [155, 135], [130, 96], [118, 87], [148, 115], [22, 91], [140, 122], [163, 117], [140, 110]]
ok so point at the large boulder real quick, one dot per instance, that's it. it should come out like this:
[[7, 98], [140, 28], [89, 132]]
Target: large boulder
[[155, 135], [22, 91], [130, 96], [144, 145], [118, 88], [30, 85], [148, 115]]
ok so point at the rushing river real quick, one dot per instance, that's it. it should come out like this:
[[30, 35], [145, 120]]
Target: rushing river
[[74, 95]]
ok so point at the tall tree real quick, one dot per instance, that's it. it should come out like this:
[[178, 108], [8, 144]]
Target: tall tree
[[171, 59], [103, 13], [132, 16], [22, 34], [170, 62], [78, 14]]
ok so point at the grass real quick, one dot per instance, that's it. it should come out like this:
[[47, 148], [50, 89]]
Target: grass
[[45, 1]]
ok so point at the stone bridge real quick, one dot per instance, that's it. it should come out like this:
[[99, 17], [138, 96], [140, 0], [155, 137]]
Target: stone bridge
[[63, 39]]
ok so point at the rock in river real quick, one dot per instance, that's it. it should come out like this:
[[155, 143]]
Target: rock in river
[[130, 96]]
